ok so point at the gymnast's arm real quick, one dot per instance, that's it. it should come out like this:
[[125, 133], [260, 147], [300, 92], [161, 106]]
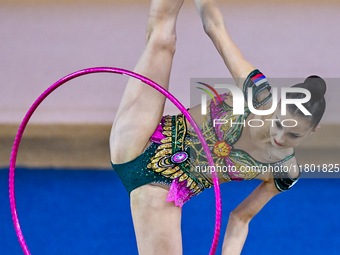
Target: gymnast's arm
[[239, 218], [214, 26]]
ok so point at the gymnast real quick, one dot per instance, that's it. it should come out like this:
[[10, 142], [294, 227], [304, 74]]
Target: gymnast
[[157, 156]]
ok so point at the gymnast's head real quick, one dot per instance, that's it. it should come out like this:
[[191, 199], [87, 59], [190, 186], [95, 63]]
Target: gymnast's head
[[305, 124]]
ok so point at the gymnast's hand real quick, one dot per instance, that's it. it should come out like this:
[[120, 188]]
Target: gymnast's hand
[[214, 27]]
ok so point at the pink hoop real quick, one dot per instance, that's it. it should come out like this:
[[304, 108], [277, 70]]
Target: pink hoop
[[118, 71]]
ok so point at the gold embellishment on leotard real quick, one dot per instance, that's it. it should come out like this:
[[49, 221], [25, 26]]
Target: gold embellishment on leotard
[[166, 133], [177, 174], [166, 140], [156, 167], [183, 177], [163, 152], [159, 169], [189, 181], [175, 130], [165, 146], [221, 149], [170, 171], [196, 189], [155, 160]]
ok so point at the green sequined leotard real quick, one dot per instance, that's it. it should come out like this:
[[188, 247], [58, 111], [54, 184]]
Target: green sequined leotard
[[177, 158]]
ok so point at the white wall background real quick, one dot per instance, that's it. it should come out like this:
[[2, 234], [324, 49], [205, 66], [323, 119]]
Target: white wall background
[[40, 43]]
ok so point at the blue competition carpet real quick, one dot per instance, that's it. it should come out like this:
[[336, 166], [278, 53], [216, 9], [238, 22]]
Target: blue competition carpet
[[69, 212]]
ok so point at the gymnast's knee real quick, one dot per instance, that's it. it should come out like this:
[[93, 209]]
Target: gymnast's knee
[[149, 197]]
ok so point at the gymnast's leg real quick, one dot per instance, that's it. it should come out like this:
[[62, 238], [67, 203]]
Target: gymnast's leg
[[157, 223], [141, 107]]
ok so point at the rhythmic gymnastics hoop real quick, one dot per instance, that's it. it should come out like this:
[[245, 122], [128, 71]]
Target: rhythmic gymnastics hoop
[[117, 71]]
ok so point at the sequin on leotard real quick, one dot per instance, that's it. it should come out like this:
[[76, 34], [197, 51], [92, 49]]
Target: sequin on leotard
[[135, 173]]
